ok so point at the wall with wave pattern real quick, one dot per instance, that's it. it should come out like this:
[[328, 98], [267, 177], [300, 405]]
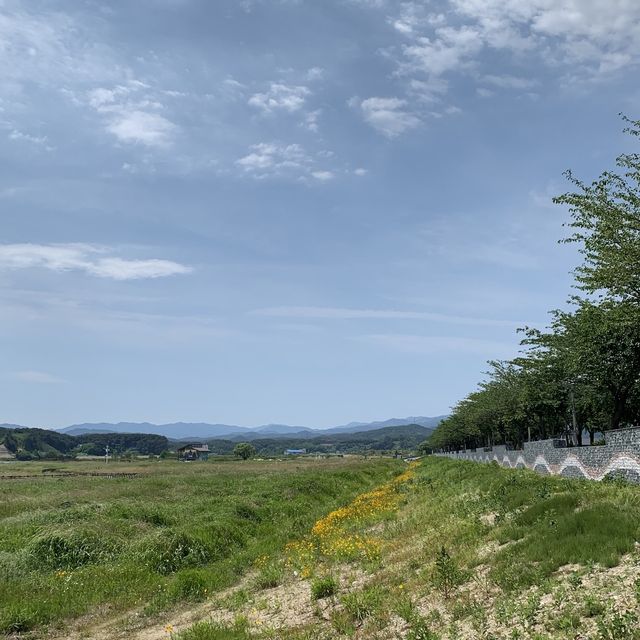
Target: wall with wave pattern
[[619, 457]]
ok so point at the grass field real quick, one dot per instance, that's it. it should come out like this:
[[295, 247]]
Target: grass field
[[468, 552], [438, 550], [175, 533]]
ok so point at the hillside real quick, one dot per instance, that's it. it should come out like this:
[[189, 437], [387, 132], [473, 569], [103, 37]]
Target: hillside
[[29, 443], [43, 443], [203, 430], [403, 438]]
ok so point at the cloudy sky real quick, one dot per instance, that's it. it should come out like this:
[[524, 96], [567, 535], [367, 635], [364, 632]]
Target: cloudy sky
[[300, 211]]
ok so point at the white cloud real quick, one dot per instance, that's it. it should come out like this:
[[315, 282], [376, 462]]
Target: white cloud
[[50, 48], [37, 377], [40, 141], [131, 114], [323, 176], [315, 73], [311, 120], [267, 160], [89, 259], [339, 313], [426, 345], [360, 171], [389, 116], [586, 37], [135, 126], [273, 158], [452, 49], [280, 97]]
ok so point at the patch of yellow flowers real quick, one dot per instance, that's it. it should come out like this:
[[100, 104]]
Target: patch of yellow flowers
[[334, 535]]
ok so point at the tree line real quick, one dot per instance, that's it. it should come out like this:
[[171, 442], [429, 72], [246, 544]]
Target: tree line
[[29, 443], [581, 374]]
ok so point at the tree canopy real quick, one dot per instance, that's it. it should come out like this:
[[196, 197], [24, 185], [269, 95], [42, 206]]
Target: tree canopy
[[244, 450], [582, 373]]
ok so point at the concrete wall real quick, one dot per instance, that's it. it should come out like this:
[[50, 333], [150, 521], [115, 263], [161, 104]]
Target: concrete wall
[[620, 457]]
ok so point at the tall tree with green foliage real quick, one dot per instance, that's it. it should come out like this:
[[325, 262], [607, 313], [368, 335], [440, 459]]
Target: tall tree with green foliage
[[583, 372], [606, 222], [244, 450]]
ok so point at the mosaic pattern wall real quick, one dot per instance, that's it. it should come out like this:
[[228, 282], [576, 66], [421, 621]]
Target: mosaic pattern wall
[[619, 457]]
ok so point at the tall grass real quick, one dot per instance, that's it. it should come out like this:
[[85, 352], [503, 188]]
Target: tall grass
[[178, 532]]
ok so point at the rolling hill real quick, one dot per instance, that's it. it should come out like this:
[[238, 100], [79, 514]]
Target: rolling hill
[[203, 430]]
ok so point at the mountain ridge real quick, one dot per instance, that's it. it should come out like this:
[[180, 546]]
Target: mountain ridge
[[204, 430]]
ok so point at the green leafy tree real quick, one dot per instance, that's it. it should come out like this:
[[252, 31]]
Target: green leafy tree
[[10, 442], [606, 222], [244, 450]]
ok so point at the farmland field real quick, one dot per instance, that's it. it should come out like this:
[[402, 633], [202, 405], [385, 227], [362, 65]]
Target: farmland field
[[94, 546], [305, 550]]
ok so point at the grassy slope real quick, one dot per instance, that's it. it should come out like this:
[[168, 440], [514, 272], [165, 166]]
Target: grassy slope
[[179, 532], [474, 551]]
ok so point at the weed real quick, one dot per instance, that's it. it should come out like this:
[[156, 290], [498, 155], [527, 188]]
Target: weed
[[190, 584], [593, 607], [213, 631], [269, 576], [619, 626], [419, 629], [67, 549], [323, 587], [342, 622], [446, 575], [169, 551], [362, 604]]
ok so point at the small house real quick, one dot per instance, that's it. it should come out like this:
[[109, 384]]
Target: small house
[[294, 452], [194, 451]]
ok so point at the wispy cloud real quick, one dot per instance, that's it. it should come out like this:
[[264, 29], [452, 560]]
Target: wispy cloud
[[390, 116], [338, 313], [280, 97], [267, 160], [21, 136], [37, 377], [131, 114], [89, 259], [427, 345]]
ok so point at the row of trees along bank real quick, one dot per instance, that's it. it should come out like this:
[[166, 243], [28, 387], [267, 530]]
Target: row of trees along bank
[[580, 374]]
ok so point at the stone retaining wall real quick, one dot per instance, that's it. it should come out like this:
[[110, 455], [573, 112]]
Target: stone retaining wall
[[620, 457]]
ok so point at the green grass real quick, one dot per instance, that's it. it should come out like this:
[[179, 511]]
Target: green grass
[[484, 543], [177, 533]]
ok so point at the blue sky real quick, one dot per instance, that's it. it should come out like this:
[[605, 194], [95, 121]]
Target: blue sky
[[289, 211]]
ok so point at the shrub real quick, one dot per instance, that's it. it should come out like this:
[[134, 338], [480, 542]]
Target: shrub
[[169, 551], [323, 587], [67, 550], [220, 538], [190, 584]]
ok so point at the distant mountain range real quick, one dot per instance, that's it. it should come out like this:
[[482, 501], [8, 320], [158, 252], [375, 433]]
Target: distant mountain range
[[203, 430]]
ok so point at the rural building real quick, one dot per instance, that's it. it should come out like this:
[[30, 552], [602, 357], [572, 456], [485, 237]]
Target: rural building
[[294, 452], [194, 451]]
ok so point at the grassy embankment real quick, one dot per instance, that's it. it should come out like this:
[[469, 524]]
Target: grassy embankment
[[94, 547], [451, 550]]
